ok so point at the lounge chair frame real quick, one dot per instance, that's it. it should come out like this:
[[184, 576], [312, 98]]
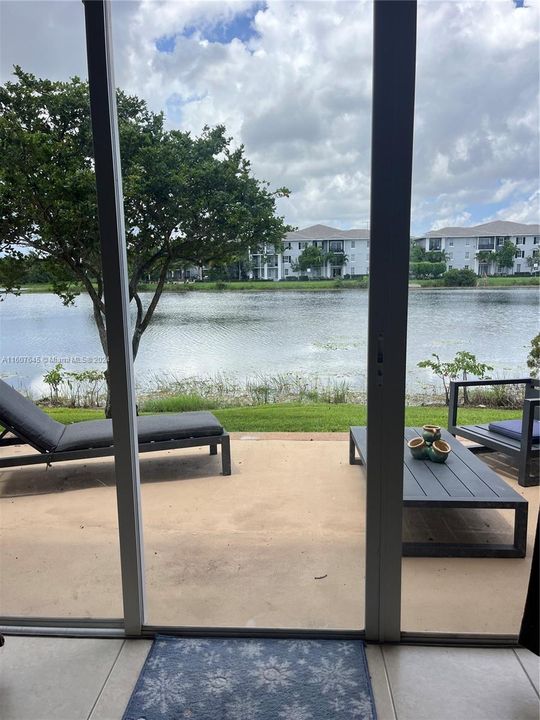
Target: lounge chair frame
[[49, 457], [523, 450]]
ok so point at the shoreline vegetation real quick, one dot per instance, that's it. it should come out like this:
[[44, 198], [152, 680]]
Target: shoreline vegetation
[[285, 402], [305, 285]]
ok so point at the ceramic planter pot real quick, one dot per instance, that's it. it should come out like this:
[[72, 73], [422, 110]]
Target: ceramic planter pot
[[431, 433], [418, 448], [439, 451]]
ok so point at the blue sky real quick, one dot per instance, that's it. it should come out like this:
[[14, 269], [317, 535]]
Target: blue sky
[[292, 82], [239, 27]]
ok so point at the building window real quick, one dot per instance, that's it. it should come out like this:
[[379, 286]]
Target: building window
[[286, 271], [353, 243], [287, 246], [352, 270], [286, 258], [336, 246], [518, 267], [467, 255], [466, 267], [467, 241], [353, 256], [450, 267], [302, 245], [451, 256], [486, 243], [536, 240], [450, 243]]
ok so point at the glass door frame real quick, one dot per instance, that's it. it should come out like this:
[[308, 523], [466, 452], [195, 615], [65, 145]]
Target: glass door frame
[[391, 172]]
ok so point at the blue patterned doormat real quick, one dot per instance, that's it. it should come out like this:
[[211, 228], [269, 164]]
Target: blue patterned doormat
[[237, 679]]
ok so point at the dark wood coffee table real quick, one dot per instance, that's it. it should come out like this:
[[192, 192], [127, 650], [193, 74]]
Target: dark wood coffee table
[[464, 481]]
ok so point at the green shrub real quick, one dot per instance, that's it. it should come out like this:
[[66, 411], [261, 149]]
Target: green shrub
[[176, 403], [533, 358], [497, 396], [427, 269], [460, 278]]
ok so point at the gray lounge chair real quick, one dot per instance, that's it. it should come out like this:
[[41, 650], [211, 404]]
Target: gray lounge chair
[[94, 438]]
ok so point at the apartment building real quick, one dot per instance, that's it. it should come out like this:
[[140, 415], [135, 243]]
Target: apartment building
[[348, 251], [462, 244]]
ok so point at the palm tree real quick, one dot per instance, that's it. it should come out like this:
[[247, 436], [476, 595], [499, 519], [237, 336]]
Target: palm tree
[[336, 258], [484, 257]]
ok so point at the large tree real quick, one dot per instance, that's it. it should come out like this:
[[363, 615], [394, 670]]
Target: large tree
[[505, 255], [187, 199], [311, 257]]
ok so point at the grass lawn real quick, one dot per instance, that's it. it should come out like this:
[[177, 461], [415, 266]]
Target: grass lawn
[[310, 286], [264, 286], [310, 418], [486, 282]]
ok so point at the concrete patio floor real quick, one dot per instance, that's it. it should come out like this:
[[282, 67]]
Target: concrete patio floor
[[279, 543]]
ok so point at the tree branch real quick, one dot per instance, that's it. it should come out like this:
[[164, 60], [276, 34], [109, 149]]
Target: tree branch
[[145, 321]]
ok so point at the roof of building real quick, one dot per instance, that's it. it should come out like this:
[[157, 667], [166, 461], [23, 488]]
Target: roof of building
[[324, 232], [497, 227]]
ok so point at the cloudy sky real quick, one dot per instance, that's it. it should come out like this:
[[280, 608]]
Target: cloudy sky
[[292, 81]]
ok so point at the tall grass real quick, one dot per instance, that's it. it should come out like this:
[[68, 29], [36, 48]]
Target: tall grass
[[169, 392], [496, 396], [177, 403]]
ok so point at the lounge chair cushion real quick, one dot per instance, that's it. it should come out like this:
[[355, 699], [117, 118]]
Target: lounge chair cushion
[[28, 420], [512, 429], [151, 428]]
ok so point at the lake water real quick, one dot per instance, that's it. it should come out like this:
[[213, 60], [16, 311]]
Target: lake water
[[249, 334]]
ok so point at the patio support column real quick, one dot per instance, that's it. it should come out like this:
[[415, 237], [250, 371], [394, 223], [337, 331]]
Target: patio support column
[[394, 51], [115, 282]]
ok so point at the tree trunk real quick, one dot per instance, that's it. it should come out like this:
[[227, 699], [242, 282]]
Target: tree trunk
[[108, 411], [100, 324], [142, 321]]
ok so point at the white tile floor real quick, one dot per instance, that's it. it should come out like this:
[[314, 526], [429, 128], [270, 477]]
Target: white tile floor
[[72, 679]]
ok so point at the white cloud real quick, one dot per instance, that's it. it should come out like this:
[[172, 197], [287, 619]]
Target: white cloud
[[298, 95], [524, 211]]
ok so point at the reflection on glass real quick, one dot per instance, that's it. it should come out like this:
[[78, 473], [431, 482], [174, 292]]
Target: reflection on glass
[[476, 240], [58, 524]]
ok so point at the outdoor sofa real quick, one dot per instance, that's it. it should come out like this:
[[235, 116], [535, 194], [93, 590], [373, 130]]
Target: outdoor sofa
[[25, 423], [519, 439]]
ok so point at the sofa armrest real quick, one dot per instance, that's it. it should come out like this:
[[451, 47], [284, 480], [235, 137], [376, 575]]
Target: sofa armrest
[[529, 407], [472, 383], [454, 394]]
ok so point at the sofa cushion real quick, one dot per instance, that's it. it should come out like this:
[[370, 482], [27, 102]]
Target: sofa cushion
[[512, 429], [25, 418], [151, 428]]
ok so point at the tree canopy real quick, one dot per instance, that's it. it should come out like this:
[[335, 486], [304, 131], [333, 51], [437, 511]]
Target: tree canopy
[[505, 255], [314, 257], [310, 257], [187, 199]]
